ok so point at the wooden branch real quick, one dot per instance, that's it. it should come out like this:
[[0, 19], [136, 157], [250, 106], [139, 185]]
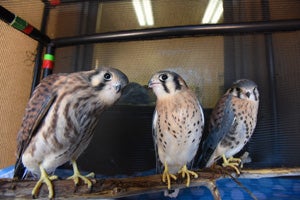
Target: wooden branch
[[268, 173], [120, 187]]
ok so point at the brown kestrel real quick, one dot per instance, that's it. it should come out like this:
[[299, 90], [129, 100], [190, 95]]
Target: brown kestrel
[[60, 119]]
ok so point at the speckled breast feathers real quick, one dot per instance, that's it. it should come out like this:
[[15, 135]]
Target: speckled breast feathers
[[178, 120]]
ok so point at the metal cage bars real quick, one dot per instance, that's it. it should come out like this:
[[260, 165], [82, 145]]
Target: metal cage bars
[[134, 35]]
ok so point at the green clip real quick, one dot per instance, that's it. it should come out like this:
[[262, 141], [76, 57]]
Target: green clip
[[19, 23], [49, 57]]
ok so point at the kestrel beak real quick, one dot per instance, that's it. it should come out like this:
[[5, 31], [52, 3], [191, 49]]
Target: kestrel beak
[[118, 87], [152, 83]]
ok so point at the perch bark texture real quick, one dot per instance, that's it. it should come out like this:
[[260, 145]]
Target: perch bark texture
[[121, 187]]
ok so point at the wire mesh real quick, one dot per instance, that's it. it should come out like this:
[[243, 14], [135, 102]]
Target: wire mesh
[[208, 63]]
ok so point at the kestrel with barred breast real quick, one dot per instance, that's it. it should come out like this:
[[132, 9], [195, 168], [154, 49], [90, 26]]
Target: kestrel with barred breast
[[60, 119]]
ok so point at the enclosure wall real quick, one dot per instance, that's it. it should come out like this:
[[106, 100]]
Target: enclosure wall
[[16, 67]]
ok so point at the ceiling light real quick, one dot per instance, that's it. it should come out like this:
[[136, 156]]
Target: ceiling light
[[143, 11], [213, 12]]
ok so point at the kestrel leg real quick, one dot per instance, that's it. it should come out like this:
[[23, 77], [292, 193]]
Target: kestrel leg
[[168, 176], [77, 175], [231, 162], [185, 172], [44, 178]]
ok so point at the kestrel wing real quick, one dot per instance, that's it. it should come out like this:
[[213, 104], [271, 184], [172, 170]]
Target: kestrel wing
[[224, 123], [194, 160], [159, 166], [35, 112]]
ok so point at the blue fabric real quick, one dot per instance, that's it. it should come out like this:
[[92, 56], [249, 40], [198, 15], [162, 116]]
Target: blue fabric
[[265, 188], [7, 172]]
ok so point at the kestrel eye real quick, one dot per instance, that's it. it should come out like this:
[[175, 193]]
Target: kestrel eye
[[163, 77], [107, 76]]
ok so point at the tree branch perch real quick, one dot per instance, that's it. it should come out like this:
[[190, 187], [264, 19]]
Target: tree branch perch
[[121, 187]]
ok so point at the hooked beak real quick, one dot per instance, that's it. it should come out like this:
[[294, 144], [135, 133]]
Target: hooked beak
[[118, 88], [152, 83]]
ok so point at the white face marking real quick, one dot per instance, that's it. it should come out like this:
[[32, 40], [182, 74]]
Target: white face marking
[[96, 79], [159, 90]]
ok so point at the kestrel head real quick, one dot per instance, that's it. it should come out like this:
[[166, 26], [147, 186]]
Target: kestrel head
[[108, 82], [244, 89], [165, 83]]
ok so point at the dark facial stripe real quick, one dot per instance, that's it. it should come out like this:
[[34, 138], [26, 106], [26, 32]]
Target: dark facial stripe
[[177, 83], [238, 92], [165, 87], [255, 95], [99, 87]]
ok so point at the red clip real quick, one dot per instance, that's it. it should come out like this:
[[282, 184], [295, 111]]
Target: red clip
[[48, 64], [54, 2]]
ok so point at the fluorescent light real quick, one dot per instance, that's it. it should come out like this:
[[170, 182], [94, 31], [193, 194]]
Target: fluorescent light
[[218, 13], [137, 4], [209, 11], [143, 11], [148, 12], [213, 12]]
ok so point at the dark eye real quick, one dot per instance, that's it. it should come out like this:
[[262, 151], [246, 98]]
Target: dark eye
[[107, 76], [163, 77]]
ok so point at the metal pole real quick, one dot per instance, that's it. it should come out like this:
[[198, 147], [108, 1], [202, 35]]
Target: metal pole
[[272, 78], [80, 1], [40, 48], [180, 31], [23, 26], [48, 62]]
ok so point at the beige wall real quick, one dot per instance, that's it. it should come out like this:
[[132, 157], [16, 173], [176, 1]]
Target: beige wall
[[199, 60], [16, 68]]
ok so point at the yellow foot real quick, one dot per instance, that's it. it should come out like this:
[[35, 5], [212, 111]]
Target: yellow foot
[[168, 176], [185, 172], [44, 179], [232, 162], [76, 176]]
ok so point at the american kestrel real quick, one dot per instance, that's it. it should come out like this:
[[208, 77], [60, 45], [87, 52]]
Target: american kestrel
[[231, 125], [60, 119], [177, 126]]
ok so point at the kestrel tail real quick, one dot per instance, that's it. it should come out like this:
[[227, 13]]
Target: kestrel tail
[[60, 119], [177, 126]]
